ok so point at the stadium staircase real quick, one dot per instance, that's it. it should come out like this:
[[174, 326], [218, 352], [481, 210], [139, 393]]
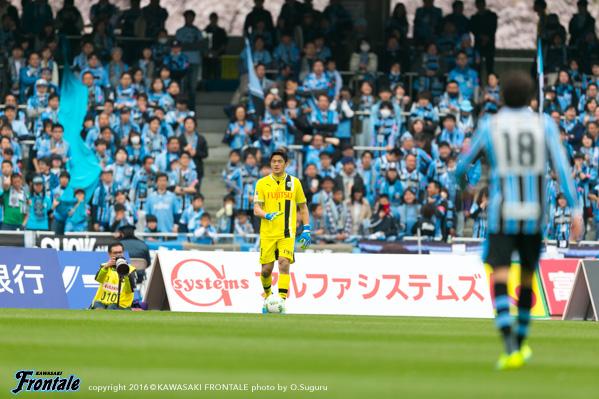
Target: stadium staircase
[[212, 124]]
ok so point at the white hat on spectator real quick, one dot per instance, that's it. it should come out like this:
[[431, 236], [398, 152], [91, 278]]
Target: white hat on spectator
[[41, 82]]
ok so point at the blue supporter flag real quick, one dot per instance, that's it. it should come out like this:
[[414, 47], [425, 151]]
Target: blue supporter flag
[[83, 165], [255, 91]]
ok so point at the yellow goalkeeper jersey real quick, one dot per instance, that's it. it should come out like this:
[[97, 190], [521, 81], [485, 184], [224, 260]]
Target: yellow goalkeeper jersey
[[283, 194]]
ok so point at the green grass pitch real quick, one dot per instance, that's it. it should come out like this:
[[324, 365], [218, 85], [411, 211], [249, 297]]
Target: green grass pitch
[[354, 357]]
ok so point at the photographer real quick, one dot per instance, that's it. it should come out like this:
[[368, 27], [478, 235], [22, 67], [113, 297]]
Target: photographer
[[117, 279]]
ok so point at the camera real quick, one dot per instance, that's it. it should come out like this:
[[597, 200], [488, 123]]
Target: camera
[[122, 268]]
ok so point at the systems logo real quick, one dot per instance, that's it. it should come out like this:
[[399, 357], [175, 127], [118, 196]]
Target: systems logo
[[44, 381], [201, 284]]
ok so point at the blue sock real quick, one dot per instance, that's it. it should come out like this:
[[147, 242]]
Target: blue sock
[[503, 320], [524, 305]]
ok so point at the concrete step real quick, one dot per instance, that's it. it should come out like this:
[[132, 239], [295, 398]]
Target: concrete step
[[212, 125], [210, 111], [214, 97]]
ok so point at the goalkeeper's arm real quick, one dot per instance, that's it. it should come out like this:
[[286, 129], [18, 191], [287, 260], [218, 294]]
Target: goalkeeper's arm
[[259, 212]]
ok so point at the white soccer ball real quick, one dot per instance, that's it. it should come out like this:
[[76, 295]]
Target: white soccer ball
[[274, 304]]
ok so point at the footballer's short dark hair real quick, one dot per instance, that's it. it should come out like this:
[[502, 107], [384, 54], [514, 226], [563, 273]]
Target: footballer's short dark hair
[[280, 153], [517, 89]]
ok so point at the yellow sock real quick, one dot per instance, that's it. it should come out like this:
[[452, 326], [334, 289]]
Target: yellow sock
[[266, 284], [283, 285]]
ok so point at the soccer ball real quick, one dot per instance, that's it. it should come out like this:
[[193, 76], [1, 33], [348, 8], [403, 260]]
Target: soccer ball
[[274, 304]]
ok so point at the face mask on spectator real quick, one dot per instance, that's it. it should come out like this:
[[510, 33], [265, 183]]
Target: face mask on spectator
[[135, 140], [163, 40], [275, 91], [365, 48], [385, 113], [453, 95]]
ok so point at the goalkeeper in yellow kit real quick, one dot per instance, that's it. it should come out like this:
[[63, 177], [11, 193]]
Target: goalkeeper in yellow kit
[[275, 200]]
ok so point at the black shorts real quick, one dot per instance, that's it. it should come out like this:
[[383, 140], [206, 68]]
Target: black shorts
[[501, 246]]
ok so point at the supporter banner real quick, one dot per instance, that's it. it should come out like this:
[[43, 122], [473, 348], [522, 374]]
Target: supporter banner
[[78, 274], [30, 278], [557, 277], [539, 308], [411, 247], [75, 242], [359, 284]]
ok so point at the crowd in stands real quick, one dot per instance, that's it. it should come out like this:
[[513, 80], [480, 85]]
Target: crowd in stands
[[141, 123], [405, 184]]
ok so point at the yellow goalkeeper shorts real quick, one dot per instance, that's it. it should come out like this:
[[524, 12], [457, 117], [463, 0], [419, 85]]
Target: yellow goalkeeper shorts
[[271, 249]]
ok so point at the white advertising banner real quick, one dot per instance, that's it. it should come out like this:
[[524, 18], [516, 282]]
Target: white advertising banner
[[350, 284]]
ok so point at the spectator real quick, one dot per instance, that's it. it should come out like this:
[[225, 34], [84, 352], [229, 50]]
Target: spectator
[[425, 226], [337, 215], [103, 10], [324, 120], [447, 42], [431, 72], [205, 233], [39, 206], [35, 14], [588, 54], [147, 65], [465, 122], [451, 99], [116, 67], [15, 205], [554, 26], [160, 48], [239, 130], [97, 70], [45, 36], [225, 215], [76, 220], [461, 22], [394, 52], [219, 45], [164, 205], [258, 13], [465, 45], [478, 212], [398, 20], [466, 77], [190, 218], [588, 115], [360, 210], [451, 134], [483, 25], [184, 180], [581, 23], [49, 68], [364, 62], [555, 56], [81, 61], [102, 200], [383, 225], [103, 40], [408, 212], [292, 12], [130, 23], [348, 176], [29, 74], [574, 129], [155, 17], [192, 43], [427, 21], [135, 247], [489, 98], [243, 227]]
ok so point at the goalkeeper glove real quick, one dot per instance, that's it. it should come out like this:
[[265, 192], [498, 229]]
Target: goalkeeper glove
[[272, 216], [304, 238]]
